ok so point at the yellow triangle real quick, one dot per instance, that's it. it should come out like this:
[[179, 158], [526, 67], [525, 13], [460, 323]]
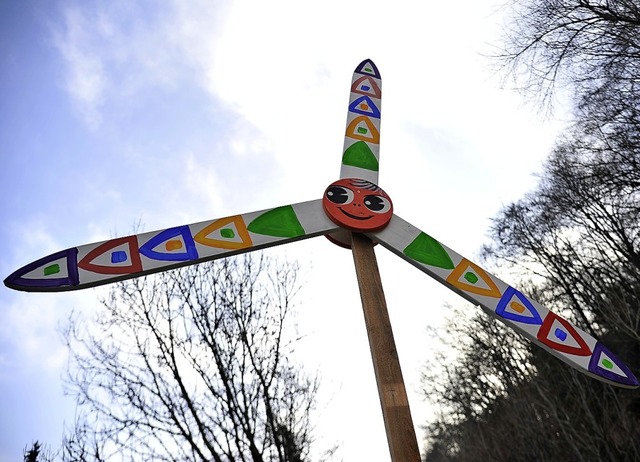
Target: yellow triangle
[[470, 278], [240, 227]]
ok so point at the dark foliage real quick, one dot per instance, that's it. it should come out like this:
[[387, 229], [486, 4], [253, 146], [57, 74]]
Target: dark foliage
[[577, 237], [38, 453]]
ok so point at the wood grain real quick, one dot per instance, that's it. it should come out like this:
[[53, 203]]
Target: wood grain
[[401, 435]]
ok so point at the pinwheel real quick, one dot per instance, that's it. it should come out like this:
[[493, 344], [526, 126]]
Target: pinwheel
[[353, 212]]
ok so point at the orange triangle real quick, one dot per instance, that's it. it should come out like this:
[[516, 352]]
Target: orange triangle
[[368, 132], [472, 277], [240, 227]]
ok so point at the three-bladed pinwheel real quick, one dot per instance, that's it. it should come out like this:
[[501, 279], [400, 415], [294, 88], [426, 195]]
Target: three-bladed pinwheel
[[353, 204]]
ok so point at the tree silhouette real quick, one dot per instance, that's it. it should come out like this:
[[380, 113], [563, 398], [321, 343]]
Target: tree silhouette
[[577, 233], [38, 453]]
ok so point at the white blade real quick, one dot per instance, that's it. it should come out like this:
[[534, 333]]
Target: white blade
[[532, 320], [362, 136], [146, 253]]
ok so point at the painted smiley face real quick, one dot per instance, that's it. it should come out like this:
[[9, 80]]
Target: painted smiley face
[[358, 205]]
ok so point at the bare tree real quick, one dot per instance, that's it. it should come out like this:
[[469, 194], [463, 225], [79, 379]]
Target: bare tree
[[505, 400], [192, 364], [591, 46], [578, 233]]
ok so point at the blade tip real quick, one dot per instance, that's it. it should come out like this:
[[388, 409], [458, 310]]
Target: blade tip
[[368, 67]]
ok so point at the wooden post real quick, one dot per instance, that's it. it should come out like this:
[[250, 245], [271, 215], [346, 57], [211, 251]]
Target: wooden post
[[401, 435]]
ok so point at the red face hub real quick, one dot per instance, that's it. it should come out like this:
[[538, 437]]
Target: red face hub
[[357, 205]]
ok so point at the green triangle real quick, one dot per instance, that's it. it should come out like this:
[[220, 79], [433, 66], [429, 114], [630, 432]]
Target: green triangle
[[359, 155], [427, 250], [279, 222]]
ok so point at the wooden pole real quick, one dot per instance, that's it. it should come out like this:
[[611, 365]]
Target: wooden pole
[[401, 435]]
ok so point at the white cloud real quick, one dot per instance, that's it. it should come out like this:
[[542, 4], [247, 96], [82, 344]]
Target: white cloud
[[85, 74], [30, 329], [117, 49], [203, 183], [30, 321]]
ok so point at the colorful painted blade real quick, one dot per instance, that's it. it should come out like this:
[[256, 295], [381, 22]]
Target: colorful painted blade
[[362, 137], [535, 322], [146, 253]]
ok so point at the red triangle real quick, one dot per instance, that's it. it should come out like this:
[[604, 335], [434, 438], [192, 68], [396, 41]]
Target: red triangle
[[134, 267], [374, 89], [544, 335]]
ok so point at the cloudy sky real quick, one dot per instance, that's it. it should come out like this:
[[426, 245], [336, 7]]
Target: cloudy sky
[[165, 113]]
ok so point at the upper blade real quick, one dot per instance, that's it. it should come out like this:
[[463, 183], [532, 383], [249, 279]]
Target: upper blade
[[532, 320], [146, 253], [362, 137]]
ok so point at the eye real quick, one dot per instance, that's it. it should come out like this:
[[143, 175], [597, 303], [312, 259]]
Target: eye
[[339, 195], [377, 204]]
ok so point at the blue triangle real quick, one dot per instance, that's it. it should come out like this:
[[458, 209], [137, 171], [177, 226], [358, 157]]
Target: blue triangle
[[373, 110], [533, 317], [190, 253]]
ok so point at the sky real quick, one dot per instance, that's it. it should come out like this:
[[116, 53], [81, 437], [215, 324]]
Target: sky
[[114, 114]]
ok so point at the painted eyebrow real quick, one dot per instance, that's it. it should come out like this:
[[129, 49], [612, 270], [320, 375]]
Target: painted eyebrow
[[364, 184]]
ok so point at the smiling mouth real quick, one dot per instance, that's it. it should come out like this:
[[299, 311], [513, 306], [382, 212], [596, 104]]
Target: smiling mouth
[[353, 216]]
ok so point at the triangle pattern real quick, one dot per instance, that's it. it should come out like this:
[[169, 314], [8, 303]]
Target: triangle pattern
[[361, 128], [117, 256], [605, 364], [174, 244], [366, 86], [558, 334], [367, 67], [359, 154], [365, 106], [278, 222], [427, 250], [470, 277], [56, 270], [516, 307], [225, 233]]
